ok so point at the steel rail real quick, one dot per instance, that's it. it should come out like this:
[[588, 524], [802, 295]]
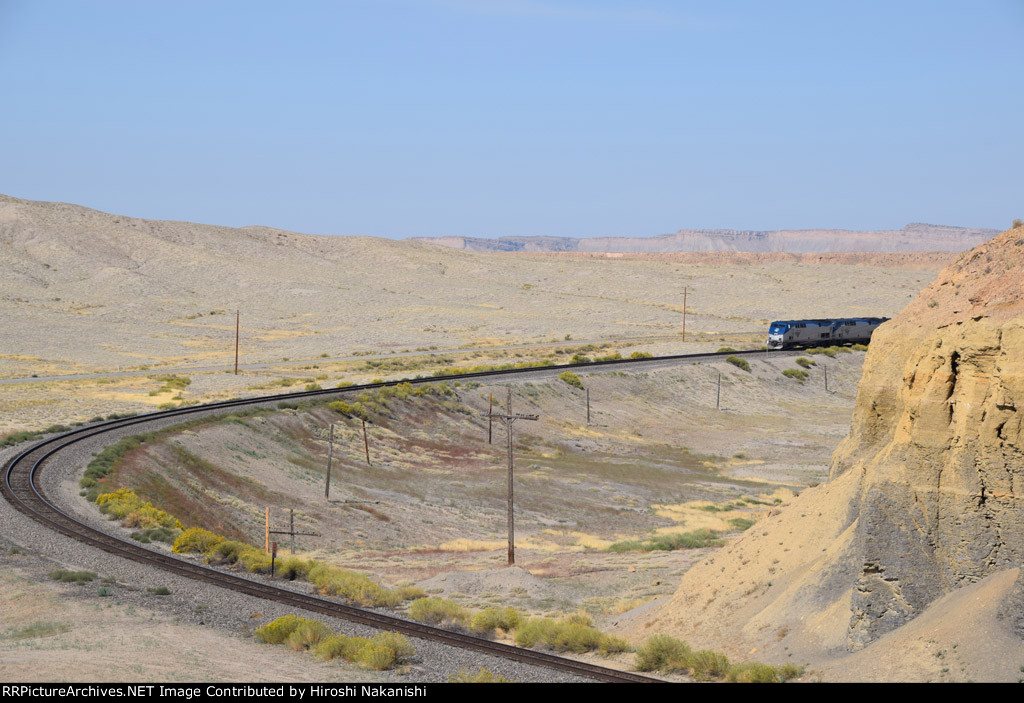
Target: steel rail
[[20, 488]]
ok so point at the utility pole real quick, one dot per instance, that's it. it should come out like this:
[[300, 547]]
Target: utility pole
[[508, 418], [290, 531], [588, 405], [826, 377], [236, 341], [684, 313], [366, 442], [330, 455], [490, 420], [718, 400]]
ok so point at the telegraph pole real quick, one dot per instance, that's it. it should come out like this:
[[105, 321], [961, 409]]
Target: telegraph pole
[[290, 531], [684, 313], [330, 455], [366, 442], [588, 405], [236, 341], [508, 418], [718, 400], [490, 420]]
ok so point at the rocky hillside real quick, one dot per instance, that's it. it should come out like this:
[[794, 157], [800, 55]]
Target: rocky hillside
[[925, 496], [913, 237]]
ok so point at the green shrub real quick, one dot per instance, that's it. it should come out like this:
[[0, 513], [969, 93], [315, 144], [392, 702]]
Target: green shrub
[[104, 462], [724, 350], [340, 647], [805, 362], [739, 363], [255, 561], [434, 611], [308, 634], [535, 631], [66, 576], [482, 676], [741, 523], [796, 374], [790, 671], [756, 672], [664, 653], [827, 351], [572, 634], [156, 534], [196, 539], [410, 592], [332, 581], [859, 347], [696, 539], [123, 504], [226, 552], [376, 656], [641, 355], [399, 644], [277, 631], [491, 619], [382, 652], [294, 567], [160, 591], [572, 379], [707, 664]]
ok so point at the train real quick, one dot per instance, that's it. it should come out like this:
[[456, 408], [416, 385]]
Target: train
[[788, 334]]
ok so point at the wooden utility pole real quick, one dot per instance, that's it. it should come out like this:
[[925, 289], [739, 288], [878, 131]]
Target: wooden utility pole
[[290, 531], [266, 524], [330, 455], [508, 418], [366, 443], [490, 420], [588, 406], [718, 400], [684, 314], [826, 377], [236, 341]]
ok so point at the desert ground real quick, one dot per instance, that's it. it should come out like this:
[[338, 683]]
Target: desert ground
[[92, 293]]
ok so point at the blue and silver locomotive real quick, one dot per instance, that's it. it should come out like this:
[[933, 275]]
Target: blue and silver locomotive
[[786, 334]]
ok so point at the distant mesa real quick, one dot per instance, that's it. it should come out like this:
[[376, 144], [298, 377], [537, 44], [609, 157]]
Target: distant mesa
[[914, 237]]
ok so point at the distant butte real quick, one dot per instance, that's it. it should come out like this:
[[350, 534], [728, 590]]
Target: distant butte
[[914, 237]]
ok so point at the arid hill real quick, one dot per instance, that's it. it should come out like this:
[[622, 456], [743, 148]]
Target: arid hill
[[925, 496], [913, 237], [99, 290]]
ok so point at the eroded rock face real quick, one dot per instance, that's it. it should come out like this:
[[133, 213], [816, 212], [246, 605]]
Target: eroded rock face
[[937, 435], [926, 493], [943, 491]]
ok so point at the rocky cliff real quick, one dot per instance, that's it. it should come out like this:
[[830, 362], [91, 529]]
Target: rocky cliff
[[926, 493]]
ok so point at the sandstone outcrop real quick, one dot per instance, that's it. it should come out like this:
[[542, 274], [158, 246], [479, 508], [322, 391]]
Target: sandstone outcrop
[[925, 495]]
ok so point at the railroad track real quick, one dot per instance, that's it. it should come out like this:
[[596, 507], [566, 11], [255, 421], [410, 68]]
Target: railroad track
[[20, 488]]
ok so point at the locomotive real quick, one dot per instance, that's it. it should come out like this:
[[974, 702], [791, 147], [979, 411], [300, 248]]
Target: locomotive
[[787, 334]]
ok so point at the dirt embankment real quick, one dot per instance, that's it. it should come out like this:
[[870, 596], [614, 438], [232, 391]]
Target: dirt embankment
[[925, 497]]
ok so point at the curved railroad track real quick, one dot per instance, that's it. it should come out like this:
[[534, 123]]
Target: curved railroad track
[[21, 489]]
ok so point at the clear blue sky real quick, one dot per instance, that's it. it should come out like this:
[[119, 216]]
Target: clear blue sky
[[494, 117]]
